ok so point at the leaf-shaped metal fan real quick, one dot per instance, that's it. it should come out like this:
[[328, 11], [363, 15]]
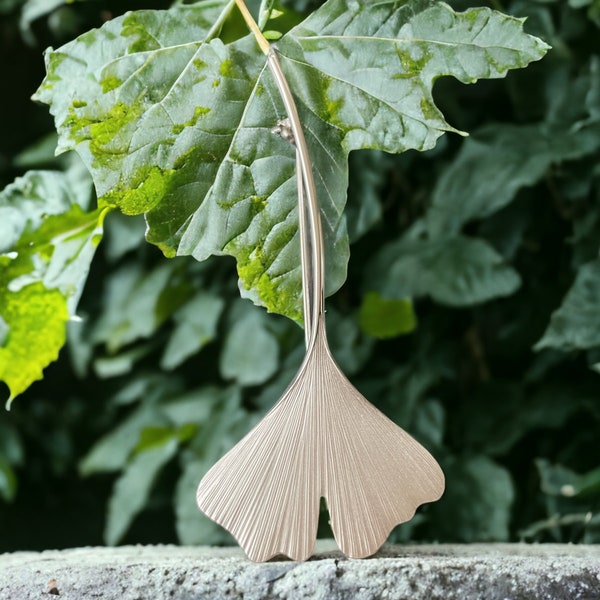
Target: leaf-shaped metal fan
[[321, 440]]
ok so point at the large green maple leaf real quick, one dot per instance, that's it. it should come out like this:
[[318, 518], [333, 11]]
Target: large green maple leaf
[[176, 124]]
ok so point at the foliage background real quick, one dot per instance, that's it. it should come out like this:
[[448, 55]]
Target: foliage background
[[153, 388]]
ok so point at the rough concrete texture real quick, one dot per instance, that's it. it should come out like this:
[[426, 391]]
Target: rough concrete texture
[[490, 572]]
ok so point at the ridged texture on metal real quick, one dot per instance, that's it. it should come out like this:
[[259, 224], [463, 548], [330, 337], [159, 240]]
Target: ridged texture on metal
[[322, 439]]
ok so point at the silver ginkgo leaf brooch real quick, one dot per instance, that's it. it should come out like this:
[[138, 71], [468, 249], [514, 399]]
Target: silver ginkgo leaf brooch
[[322, 439]]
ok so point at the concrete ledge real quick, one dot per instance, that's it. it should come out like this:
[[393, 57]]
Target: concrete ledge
[[444, 572]]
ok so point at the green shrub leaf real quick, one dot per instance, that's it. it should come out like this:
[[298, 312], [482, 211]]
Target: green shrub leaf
[[223, 424], [251, 352], [196, 325], [576, 324], [133, 487], [111, 452], [133, 303], [496, 162], [48, 241], [457, 271], [384, 318], [557, 480], [477, 501], [8, 481], [179, 129]]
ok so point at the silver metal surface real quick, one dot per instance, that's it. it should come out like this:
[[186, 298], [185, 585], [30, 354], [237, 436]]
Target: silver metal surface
[[322, 439]]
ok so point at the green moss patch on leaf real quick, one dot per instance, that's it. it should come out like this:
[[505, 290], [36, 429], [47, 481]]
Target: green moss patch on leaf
[[110, 83], [100, 131], [199, 111], [143, 192], [253, 272]]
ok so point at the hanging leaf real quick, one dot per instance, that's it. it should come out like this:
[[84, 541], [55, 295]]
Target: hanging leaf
[[175, 124]]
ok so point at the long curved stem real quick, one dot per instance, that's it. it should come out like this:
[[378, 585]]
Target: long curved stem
[[311, 231], [309, 219], [305, 255]]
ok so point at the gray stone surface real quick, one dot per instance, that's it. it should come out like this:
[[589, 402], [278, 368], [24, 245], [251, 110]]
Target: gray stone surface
[[478, 571]]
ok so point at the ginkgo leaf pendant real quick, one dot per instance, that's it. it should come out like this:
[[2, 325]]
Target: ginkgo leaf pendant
[[322, 439]]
